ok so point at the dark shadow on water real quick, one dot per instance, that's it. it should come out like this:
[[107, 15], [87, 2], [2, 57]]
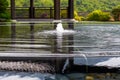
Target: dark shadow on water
[[92, 69], [4, 31], [13, 30]]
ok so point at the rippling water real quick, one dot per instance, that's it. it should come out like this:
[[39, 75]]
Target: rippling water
[[92, 45], [84, 38]]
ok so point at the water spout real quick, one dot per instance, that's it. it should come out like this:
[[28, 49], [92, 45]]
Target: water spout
[[59, 27], [59, 31]]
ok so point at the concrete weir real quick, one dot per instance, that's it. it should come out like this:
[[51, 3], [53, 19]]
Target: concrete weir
[[26, 66], [25, 62], [47, 63]]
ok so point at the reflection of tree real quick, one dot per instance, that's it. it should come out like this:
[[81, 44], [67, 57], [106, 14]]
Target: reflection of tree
[[4, 31]]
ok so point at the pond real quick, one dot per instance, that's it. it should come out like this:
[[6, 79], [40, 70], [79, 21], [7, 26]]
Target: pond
[[80, 52]]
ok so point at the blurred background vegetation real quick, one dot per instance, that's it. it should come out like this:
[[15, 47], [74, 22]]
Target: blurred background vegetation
[[80, 5], [4, 15], [98, 10]]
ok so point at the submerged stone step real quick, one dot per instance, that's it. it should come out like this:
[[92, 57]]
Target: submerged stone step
[[26, 66]]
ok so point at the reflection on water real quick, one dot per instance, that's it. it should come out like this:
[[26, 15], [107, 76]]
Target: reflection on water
[[97, 46], [4, 31]]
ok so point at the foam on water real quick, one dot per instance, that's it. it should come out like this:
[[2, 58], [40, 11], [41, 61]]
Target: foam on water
[[24, 76], [111, 62], [26, 46], [59, 31]]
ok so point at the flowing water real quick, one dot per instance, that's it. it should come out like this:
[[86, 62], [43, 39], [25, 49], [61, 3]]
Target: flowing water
[[80, 51]]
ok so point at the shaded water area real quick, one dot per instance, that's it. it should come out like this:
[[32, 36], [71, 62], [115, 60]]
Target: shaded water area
[[81, 52]]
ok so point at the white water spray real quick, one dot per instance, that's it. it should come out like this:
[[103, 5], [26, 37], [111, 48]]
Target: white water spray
[[59, 27], [59, 32]]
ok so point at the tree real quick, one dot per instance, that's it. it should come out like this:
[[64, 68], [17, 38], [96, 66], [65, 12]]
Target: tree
[[116, 13], [80, 5], [91, 5], [3, 9], [98, 15], [3, 6]]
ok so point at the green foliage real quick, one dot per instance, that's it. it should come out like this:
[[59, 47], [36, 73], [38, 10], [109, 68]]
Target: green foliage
[[80, 5], [98, 15], [116, 13], [5, 15], [91, 5], [43, 3], [63, 13], [3, 10], [3, 6], [76, 16]]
